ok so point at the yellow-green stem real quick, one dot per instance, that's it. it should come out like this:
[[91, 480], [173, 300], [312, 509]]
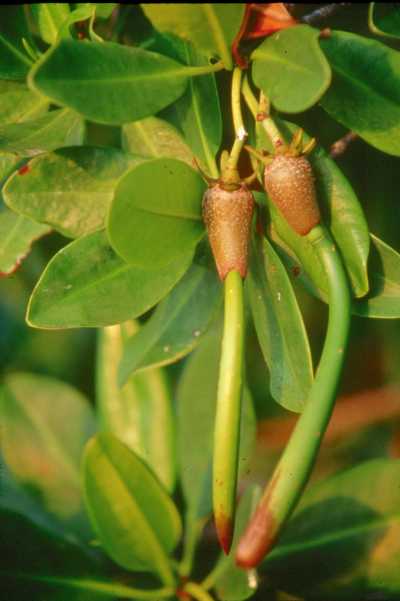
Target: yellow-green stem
[[197, 592], [227, 420], [238, 124]]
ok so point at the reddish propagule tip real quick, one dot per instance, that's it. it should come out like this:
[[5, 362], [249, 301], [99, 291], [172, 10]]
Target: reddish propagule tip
[[257, 540], [227, 216], [224, 528]]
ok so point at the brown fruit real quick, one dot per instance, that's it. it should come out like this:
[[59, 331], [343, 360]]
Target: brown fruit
[[227, 216], [289, 182]]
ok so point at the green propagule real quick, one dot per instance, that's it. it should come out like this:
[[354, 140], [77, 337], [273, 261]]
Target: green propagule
[[227, 208]]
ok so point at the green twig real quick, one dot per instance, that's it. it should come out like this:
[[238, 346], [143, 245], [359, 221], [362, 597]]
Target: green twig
[[192, 532], [197, 592], [296, 463], [261, 113], [227, 421]]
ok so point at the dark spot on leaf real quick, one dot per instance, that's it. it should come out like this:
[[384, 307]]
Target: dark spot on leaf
[[24, 169]]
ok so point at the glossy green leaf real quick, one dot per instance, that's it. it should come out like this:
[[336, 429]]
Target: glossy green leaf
[[14, 61], [383, 300], [140, 413], [38, 443], [58, 128], [210, 27], [177, 324], [233, 583], [197, 113], [343, 541], [17, 234], [280, 327], [343, 214], [87, 285], [48, 18], [291, 69], [156, 213], [81, 13], [153, 137], [134, 518], [365, 100], [107, 82], [47, 567], [387, 22], [70, 189], [197, 392], [18, 103]]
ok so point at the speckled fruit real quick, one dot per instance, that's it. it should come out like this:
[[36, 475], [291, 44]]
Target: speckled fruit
[[227, 216], [289, 182]]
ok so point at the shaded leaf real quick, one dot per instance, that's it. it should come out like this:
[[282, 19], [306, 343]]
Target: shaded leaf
[[58, 128], [383, 300], [156, 213], [87, 285], [70, 189], [365, 100], [48, 18], [291, 69], [197, 392], [107, 82], [233, 583], [209, 27], [14, 62], [153, 137], [177, 324], [38, 444], [140, 413], [280, 327], [134, 518], [352, 554], [387, 22], [18, 103]]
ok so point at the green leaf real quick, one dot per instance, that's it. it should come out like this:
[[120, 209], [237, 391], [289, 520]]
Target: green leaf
[[58, 128], [233, 583], [342, 213], [140, 413], [280, 327], [107, 82], [210, 27], [153, 137], [14, 62], [156, 213], [17, 234], [354, 553], [46, 567], [387, 23], [197, 113], [18, 103], [87, 285], [105, 9], [365, 100], [291, 69], [48, 18], [383, 300], [197, 392], [39, 445], [177, 324], [134, 518], [70, 189]]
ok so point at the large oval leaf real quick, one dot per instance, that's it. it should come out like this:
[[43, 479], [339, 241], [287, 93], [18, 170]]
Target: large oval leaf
[[210, 27], [383, 299], [280, 327], [178, 323], [70, 189], [343, 214], [153, 137], [365, 99], [352, 555], [134, 518], [197, 113], [87, 285], [140, 413], [156, 213], [58, 128], [197, 393], [38, 444], [18, 103], [291, 69], [107, 82]]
